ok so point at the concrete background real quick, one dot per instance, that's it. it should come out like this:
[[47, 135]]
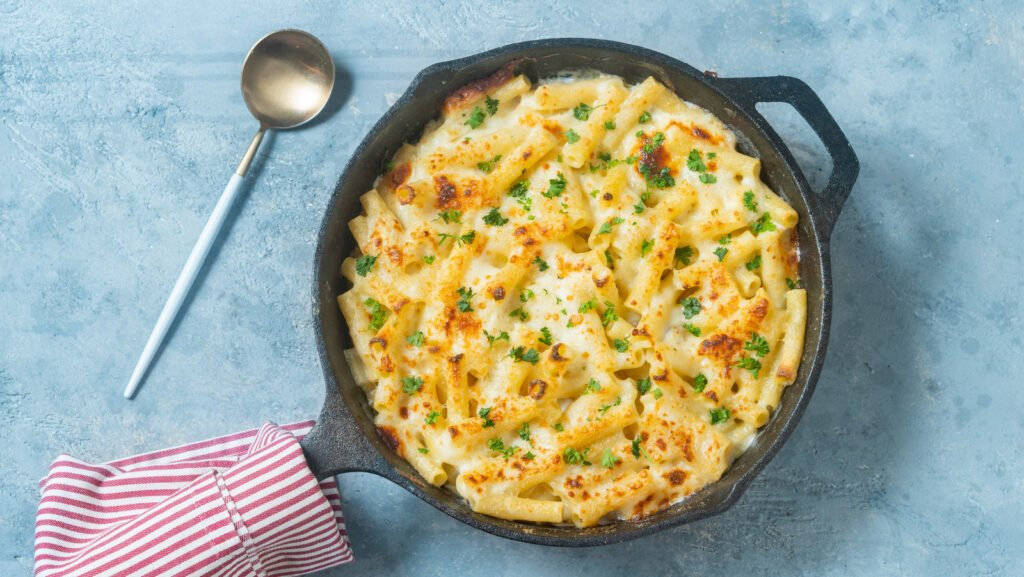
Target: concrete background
[[119, 126]]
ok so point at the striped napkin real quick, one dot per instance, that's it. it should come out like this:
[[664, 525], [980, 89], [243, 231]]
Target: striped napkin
[[239, 505]]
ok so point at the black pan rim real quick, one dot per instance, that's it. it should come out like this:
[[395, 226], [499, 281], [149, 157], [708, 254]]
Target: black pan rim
[[625, 530]]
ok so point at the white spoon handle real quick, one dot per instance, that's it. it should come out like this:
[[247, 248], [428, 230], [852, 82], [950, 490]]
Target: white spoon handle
[[185, 280]]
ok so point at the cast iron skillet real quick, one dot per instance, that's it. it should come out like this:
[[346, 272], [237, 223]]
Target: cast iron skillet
[[344, 438]]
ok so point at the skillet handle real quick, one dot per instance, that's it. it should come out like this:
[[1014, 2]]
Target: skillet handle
[[749, 91], [336, 445]]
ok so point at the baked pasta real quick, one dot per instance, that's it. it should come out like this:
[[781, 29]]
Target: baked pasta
[[573, 302]]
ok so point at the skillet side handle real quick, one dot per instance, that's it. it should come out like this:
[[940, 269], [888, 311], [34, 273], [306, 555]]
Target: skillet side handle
[[750, 91], [336, 445]]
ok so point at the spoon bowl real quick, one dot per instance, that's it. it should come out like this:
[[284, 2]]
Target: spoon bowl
[[287, 79]]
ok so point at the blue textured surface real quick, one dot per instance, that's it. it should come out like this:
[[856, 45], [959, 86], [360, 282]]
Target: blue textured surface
[[119, 126]]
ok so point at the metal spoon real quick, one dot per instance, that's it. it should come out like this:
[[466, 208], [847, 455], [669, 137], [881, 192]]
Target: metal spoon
[[286, 81]]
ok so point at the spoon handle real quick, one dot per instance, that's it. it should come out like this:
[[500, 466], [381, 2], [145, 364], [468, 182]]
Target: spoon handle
[[185, 280]]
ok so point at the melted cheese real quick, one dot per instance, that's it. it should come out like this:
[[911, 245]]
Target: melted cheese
[[573, 302]]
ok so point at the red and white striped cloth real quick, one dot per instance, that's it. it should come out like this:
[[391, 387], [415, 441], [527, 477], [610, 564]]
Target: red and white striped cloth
[[238, 505]]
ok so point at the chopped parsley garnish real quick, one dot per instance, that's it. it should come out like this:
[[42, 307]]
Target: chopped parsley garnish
[[646, 246], [476, 118], [582, 111], [692, 329], [547, 339], [575, 457], [378, 313], [432, 417], [491, 104], [608, 258], [757, 344], [556, 188], [588, 306], [429, 258], [608, 460], [463, 303], [644, 117], [720, 252], [719, 415], [708, 178], [491, 339], [459, 239], [763, 224], [529, 456], [572, 137], [604, 408], [520, 314], [621, 345], [485, 414], [518, 192], [592, 387], [543, 266], [450, 216], [494, 218], [654, 143], [528, 355], [606, 228], [411, 385], [695, 163], [751, 364], [637, 450], [498, 446], [524, 431], [487, 166], [558, 427], [415, 339], [684, 255], [725, 239], [792, 284], [699, 382], [526, 295], [657, 394], [749, 202], [643, 386], [609, 315], [364, 264], [423, 450], [754, 263], [639, 208], [691, 307], [609, 125]]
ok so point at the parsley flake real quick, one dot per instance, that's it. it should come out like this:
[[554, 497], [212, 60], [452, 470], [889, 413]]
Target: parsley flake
[[646, 246], [498, 446], [609, 125], [643, 386], [450, 216], [757, 344], [415, 339], [609, 315], [485, 414], [487, 166], [529, 355], [432, 417], [792, 284], [491, 339], [364, 264], [606, 228], [423, 450], [575, 457], [460, 239], [546, 339], [691, 307], [608, 460], [763, 224], [592, 387], [524, 431], [754, 263], [378, 313], [543, 266], [411, 385], [684, 255], [692, 329], [476, 118], [588, 306], [621, 345], [699, 382], [463, 303], [719, 415], [604, 408], [494, 218], [751, 364], [491, 104], [520, 314], [429, 258], [749, 202], [720, 252], [637, 450], [556, 188], [572, 137], [644, 117], [582, 111]]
